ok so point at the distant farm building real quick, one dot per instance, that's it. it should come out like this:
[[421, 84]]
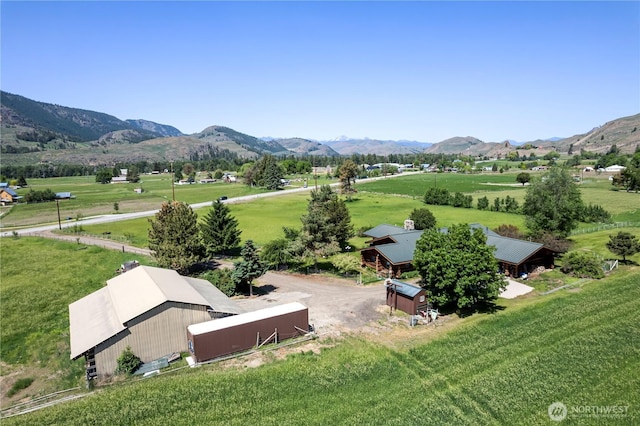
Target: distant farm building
[[145, 308], [64, 196], [391, 248], [8, 196], [614, 169]]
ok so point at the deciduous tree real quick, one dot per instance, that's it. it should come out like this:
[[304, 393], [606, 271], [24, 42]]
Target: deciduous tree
[[552, 203], [423, 219], [104, 175], [458, 268], [523, 178], [348, 171]]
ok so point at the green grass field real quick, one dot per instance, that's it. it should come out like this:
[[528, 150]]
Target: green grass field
[[39, 278], [580, 348]]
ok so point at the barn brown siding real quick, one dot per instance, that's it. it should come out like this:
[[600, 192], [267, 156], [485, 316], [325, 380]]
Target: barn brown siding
[[158, 332]]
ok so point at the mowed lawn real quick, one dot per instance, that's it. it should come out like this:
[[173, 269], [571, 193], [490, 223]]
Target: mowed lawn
[[262, 219], [581, 348]]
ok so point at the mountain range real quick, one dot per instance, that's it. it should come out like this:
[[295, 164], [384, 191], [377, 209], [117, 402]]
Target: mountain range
[[33, 131]]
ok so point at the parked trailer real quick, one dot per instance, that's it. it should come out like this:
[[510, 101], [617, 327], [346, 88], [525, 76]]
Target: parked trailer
[[225, 336]]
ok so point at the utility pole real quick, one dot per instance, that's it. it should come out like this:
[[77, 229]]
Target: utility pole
[[173, 178], [58, 207]]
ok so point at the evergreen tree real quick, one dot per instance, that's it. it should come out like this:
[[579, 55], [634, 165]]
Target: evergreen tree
[[219, 230], [623, 244], [249, 268], [552, 203], [458, 268], [174, 238], [347, 172], [133, 175], [265, 173]]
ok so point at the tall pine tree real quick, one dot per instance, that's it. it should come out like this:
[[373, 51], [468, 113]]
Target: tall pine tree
[[219, 230], [249, 268], [174, 238]]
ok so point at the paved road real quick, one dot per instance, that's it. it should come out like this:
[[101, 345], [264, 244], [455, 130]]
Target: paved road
[[148, 213]]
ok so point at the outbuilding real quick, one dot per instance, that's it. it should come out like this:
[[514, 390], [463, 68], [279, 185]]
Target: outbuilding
[[146, 309], [407, 297], [214, 339]]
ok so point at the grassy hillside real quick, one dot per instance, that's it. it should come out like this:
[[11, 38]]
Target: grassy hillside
[[38, 280], [579, 348], [71, 123], [623, 132]]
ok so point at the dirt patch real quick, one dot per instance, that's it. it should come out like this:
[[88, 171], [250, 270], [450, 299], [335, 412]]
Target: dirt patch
[[12, 373]]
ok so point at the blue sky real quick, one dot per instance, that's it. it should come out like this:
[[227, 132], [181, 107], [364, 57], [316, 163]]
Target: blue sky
[[421, 71]]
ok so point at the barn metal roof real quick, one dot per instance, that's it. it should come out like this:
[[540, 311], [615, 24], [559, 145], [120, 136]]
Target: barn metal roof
[[104, 313], [407, 289], [222, 323], [92, 320]]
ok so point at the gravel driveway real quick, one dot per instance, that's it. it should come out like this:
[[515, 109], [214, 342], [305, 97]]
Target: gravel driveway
[[334, 304]]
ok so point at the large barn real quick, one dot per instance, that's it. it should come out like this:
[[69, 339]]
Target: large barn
[[147, 309], [391, 250]]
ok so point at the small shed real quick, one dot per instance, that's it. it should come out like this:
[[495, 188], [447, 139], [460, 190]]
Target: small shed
[[64, 195], [225, 336], [407, 297]]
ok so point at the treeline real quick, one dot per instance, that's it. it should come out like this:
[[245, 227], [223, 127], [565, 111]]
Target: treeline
[[39, 196], [591, 213]]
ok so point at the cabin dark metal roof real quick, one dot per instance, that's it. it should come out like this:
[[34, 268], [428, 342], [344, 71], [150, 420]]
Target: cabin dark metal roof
[[509, 250], [406, 289], [386, 230]]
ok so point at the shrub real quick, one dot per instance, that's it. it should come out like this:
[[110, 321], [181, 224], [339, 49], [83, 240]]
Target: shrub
[[437, 196], [128, 362], [222, 279], [458, 199], [582, 265], [509, 231], [423, 219], [553, 242], [594, 213], [19, 385], [483, 203]]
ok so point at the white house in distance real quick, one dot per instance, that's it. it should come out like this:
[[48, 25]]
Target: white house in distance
[[145, 308], [614, 169]]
